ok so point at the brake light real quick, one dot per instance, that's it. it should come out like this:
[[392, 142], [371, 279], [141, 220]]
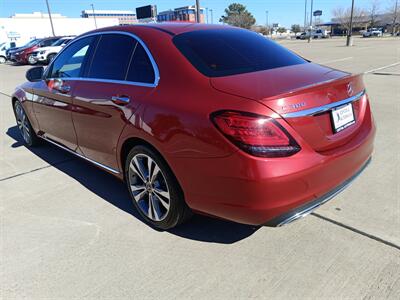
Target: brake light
[[255, 134]]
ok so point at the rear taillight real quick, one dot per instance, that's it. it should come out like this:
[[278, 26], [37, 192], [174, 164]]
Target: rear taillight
[[255, 134]]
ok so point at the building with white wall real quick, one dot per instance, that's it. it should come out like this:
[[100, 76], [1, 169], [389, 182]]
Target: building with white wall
[[23, 29]]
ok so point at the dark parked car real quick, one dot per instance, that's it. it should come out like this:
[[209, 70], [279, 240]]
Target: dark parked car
[[23, 55], [201, 118]]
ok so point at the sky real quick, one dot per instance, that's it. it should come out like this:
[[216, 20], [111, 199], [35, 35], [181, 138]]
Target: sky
[[284, 12]]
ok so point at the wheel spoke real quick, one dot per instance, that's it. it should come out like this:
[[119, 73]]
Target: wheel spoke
[[156, 208], [161, 193], [140, 195], [150, 209], [149, 167], [135, 170], [137, 188], [162, 201], [155, 173]]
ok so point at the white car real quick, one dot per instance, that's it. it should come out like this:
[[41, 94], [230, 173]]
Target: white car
[[4, 46], [3, 56], [315, 34], [46, 54], [372, 32]]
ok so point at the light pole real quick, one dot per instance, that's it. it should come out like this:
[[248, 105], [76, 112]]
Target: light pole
[[94, 16], [207, 15], [212, 16], [266, 20], [51, 20], [305, 15], [198, 11], [311, 13], [349, 41]]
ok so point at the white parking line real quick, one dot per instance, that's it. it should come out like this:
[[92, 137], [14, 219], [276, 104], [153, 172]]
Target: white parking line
[[336, 60], [384, 67]]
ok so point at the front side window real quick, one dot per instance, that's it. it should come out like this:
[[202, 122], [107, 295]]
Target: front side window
[[69, 62], [48, 42], [223, 52], [112, 57]]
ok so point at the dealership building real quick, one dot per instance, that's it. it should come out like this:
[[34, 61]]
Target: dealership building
[[21, 28], [125, 17], [183, 14]]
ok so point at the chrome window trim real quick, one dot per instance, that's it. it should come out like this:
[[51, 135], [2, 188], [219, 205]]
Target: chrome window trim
[[323, 108], [79, 155], [138, 39]]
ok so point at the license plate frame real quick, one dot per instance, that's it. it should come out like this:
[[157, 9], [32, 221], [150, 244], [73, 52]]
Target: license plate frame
[[342, 117]]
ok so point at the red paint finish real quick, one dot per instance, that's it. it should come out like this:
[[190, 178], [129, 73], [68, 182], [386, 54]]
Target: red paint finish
[[218, 178]]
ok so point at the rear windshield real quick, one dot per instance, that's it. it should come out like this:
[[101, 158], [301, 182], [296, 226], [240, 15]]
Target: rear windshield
[[223, 52]]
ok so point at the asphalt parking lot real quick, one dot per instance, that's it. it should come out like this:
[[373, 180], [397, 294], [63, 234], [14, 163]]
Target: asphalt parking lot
[[68, 230]]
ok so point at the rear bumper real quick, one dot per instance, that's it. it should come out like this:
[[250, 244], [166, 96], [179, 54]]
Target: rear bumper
[[307, 208], [275, 191]]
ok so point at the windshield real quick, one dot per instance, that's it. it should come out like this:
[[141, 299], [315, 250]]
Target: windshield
[[59, 42], [223, 52], [31, 43]]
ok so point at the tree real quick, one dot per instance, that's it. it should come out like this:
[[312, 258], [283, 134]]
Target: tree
[[281, 29], [394, 13], [237, 15], [342, 16], [296, 28], [373, 12]]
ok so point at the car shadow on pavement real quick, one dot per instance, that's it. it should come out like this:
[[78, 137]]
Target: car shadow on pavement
[[111, 189]]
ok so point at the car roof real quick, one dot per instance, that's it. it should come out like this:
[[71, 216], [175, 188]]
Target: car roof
[[171, 28]]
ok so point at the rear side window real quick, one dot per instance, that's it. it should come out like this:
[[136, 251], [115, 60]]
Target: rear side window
[[112, 57], [223, 52], [141, 69]]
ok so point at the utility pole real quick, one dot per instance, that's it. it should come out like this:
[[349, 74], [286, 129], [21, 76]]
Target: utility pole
[[51, 20], [394, 18], [212, 16], [207, 15], [198, 11], [94, 15], [311, 14], [349, 41], [305, 15]]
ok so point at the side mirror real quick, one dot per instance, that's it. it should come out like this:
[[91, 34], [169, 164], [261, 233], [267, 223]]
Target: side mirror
[[34, 74]]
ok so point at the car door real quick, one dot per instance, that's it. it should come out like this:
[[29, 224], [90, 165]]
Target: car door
[[120, 76], [52, 102]]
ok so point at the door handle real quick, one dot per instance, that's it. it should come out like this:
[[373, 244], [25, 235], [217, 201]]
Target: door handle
[[120, 100]]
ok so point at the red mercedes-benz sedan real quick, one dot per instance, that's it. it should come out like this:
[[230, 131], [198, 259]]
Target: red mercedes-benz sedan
[[202, 118]]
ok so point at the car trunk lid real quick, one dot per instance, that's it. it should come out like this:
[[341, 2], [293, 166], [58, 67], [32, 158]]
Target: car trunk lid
[[304, 95]]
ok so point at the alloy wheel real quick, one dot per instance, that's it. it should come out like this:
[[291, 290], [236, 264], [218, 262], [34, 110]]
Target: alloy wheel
[[32, 60], [2, 60], [149, 187], [23, 123]]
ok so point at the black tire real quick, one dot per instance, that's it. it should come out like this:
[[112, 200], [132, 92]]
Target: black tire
[[178, 212], [50, 57], [27, 132]]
